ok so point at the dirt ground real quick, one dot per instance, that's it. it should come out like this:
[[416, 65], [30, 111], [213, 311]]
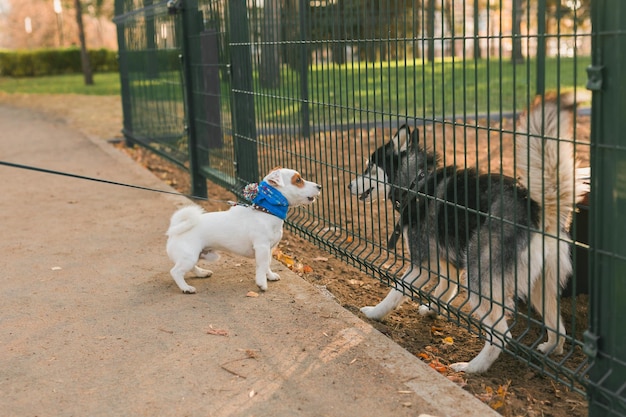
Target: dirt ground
[[510, 387]]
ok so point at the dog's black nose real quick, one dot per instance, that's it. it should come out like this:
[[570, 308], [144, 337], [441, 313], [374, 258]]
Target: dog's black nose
[[319, 187], [350, 186]]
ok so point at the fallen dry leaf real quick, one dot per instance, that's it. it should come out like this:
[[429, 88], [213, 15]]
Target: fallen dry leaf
[[495, 398], [297, 267], [251, 354], [458, 380], [436, 331], [431, 349], [252, 294], [283, 258], [438, 366], [448, 341], [217, 332]]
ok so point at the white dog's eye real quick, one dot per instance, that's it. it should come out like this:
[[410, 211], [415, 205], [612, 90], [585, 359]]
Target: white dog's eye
[[297, 180]]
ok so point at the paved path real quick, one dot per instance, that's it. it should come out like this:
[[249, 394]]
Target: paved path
[[91, 324]]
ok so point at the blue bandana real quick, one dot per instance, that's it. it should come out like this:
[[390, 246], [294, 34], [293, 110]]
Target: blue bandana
[[271, 200]]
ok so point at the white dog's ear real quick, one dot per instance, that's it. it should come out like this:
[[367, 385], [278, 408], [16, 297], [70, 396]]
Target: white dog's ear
[[275, 178]]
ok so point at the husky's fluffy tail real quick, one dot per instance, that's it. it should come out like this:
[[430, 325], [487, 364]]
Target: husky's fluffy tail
[[545, 160], [184, 220]]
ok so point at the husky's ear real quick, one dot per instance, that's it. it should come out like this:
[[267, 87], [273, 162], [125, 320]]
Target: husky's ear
[[415, 139], [275, 178], [401, 138]]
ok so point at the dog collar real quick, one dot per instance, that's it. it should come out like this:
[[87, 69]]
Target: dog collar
[[270, 200]]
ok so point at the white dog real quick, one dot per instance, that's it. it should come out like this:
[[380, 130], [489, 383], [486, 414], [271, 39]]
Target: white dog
[[251, 231]]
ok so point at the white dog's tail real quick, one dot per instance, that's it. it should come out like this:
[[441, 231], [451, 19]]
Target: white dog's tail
[[545, 160], [184, 220]]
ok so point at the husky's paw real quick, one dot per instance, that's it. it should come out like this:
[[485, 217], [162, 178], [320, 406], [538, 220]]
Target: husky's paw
[[459, 366], [425, 310], [273, 276], [201, 272], [372, 313], [549, 348], [475, 366]]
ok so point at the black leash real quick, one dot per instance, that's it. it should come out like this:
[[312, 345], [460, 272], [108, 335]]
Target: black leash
[[83, 177]]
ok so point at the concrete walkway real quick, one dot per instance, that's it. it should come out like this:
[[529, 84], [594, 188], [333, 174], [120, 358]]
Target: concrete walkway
[[91, 323]]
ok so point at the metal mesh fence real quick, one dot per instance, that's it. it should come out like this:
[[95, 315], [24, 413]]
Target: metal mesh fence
[[323, 87], [150, 56]]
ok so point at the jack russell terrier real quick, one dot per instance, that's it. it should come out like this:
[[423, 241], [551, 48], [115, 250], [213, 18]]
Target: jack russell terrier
[[251, 231]]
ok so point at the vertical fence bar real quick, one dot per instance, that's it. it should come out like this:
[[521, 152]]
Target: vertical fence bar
[[605, 341], [191, 26], [124, 74], [244, 120], [541, 47], [304, 69]]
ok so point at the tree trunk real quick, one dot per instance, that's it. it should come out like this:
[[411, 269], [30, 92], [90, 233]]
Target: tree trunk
[[430, 30], [269, 66], [477, 51], [518, 12], [84, 56], [448, 14]]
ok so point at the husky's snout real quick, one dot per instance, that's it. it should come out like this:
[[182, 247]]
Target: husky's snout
[[371, 185]]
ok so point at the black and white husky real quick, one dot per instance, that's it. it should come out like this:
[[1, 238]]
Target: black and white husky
[[500, 233]]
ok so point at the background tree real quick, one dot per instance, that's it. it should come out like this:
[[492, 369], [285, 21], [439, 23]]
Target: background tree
[[84, 56], [269, 68], [46, 31], [517, 10]]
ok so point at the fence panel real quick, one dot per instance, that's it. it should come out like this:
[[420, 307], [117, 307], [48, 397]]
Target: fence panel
[[374, 66], [150, 52], [321, 85]]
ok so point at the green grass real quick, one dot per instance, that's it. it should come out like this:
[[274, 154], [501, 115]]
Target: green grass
[[105, 84], [353, 92], [441, 89]]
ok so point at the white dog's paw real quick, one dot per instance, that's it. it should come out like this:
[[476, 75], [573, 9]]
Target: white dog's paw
[[273, 276], [201, 272], [425, 310], [188, 289], [549, 348], [262, 284]]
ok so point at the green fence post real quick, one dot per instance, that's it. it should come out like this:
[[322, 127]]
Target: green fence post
[[605, 342], [122, 53], [191, 26], [244, 120]]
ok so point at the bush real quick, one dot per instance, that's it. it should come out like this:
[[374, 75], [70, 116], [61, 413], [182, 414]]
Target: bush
[[41, 62]]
